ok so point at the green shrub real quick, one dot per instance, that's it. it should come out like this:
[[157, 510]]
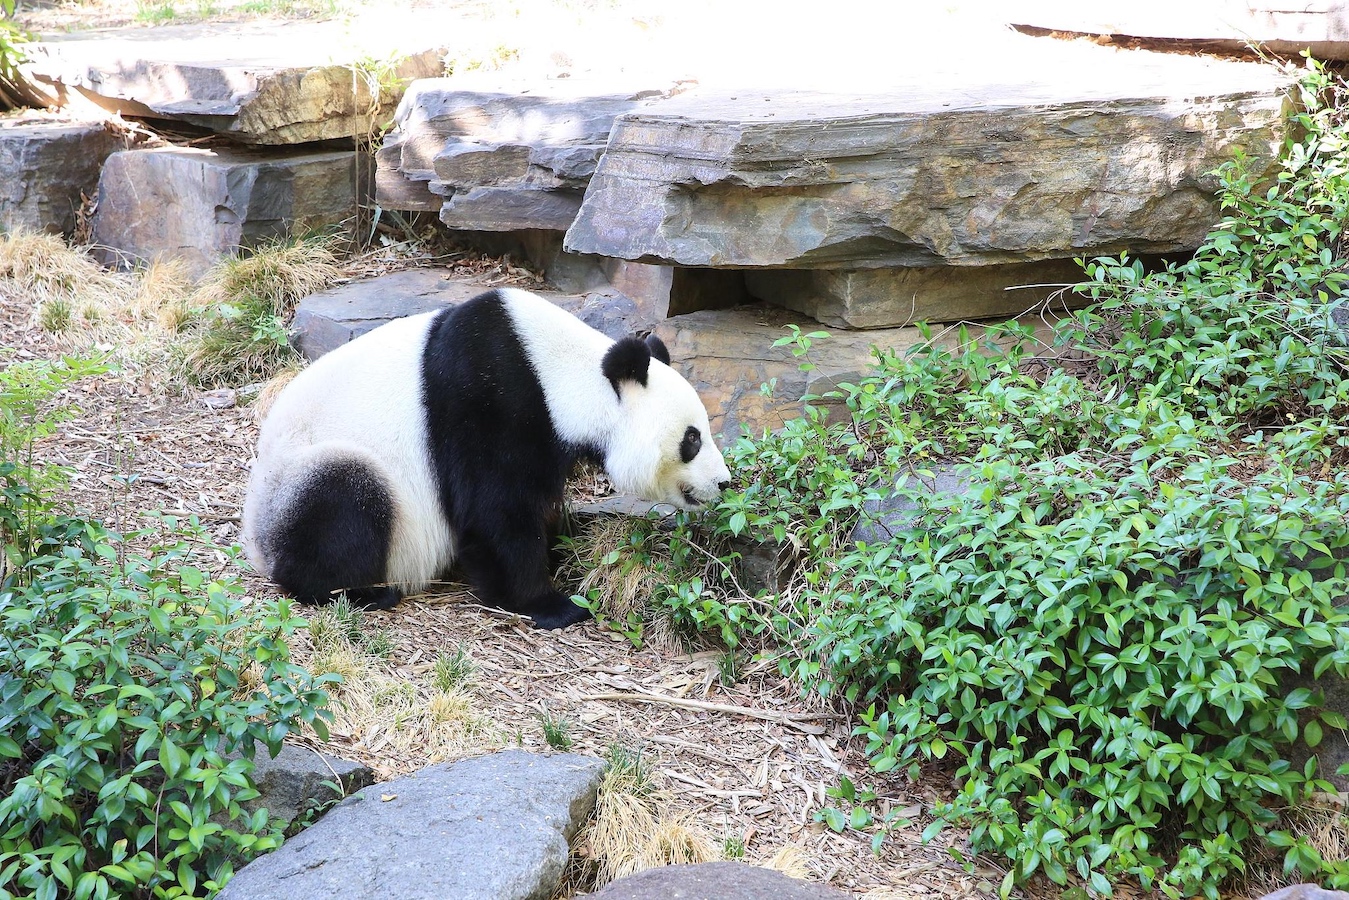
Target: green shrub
[[133, 687], [1112, 634], [132, 690]]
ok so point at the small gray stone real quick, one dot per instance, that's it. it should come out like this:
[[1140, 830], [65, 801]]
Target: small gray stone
[[299, 780], [492, 828], [1305, 892], [716, 881], [888, 515], [511, 208]]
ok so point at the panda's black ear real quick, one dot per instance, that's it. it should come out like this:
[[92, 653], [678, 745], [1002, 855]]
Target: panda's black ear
[[627, 360], [657, 348]]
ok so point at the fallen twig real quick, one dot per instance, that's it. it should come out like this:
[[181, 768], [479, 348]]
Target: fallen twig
[[799, 721]]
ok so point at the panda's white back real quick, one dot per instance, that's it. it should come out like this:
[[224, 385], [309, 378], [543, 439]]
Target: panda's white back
[[361, 400]]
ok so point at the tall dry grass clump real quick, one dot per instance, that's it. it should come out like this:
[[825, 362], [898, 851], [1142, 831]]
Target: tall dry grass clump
[[633, 828], [135, 316], [611, 559], [245, 305]]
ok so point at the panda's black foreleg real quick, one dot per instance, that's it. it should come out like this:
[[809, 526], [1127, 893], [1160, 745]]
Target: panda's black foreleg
[[509, 569]]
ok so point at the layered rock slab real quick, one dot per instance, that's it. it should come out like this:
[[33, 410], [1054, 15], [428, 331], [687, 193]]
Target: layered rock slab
[[47, 168], [1321, 26], [258, 82], [727, 354], [200, 206], [1085, 149], [493, 828], [881, 298], [499, 158]]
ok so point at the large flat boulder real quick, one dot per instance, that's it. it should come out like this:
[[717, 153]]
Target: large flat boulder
[[496, 827], [200, 206], [1038, 151], [1321, 26], [261, 82], [501, 157], [47, 168]]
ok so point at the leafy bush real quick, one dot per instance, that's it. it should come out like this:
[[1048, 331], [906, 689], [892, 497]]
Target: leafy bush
[[1112, 634], [132, 691]]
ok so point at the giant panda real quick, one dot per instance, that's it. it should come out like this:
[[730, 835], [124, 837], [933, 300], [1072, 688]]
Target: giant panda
[[447, 438]]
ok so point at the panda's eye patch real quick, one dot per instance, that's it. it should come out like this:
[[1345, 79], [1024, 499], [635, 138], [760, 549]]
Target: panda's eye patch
[[692, 443]]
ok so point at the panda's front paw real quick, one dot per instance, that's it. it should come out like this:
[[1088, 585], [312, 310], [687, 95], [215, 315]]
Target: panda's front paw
[[555, 610]]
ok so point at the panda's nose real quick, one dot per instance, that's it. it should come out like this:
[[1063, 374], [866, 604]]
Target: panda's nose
[[723, 485]]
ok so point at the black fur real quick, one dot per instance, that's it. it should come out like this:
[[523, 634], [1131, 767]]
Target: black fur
[[500, 465], [628, 360], [335, 537], [657, 348], [690, 445]]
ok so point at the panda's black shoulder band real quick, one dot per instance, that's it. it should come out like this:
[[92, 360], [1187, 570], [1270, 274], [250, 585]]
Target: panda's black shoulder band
[[627, 360]]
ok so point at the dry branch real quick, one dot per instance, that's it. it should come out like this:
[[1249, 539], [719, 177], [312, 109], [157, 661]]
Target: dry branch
[[798, 721]]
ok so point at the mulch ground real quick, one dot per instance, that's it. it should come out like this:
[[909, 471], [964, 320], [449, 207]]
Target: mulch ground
[[753, 760]]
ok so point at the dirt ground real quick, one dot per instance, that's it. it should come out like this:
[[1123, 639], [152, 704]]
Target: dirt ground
[[752, 761]]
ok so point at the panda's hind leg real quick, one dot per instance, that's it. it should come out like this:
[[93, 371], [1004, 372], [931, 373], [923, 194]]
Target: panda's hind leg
[[335, 535]]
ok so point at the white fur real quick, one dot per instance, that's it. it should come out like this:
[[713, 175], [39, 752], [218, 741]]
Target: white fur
[[363, 400], [639, 432]]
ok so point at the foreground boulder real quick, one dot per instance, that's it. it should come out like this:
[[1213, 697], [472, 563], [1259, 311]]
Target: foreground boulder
[[493, 828], [716, 881]]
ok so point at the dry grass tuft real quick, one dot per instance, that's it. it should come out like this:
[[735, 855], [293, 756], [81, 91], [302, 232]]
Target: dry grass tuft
[[277, 275], [790, 860], [245, 304], [615, 569], [135, 316], [41, 262], [262, 404], [1325, 826], [633, 830]]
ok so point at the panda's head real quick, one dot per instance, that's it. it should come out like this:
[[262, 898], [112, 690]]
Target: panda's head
[[661, 448]]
